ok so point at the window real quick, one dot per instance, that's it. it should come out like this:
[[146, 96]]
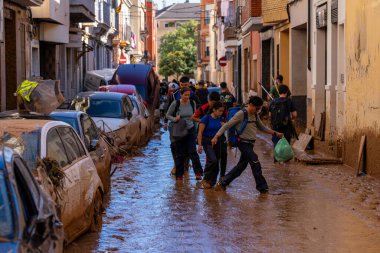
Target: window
[[26, 191], [170, 24], [6, 218], [104, 108], [90, 131], [128, 104], [55, 148], [70, 143], [206, 19], [207, 53], [135, 106]]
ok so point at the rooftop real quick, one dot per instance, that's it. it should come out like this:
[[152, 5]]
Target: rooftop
[[180, 11]]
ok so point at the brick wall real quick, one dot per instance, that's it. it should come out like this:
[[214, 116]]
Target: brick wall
[[252, 9], [274, 10]]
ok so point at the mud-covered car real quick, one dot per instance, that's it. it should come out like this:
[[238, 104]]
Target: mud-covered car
[[62, 166], [112, 113], [28, 220], [95, 143], [140, 111]]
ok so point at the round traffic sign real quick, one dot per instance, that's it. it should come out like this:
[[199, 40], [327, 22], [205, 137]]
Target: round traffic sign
[[123, 59], [222, 61]]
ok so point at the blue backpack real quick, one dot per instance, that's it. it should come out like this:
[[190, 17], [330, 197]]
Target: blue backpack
[[233, 133]]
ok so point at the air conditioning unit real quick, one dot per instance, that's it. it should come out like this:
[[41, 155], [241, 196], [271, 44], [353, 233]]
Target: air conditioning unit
[[334, 11], [321, 16]]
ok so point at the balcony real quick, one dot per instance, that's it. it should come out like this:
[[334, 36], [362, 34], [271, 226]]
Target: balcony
[[82, 11], [230, 37], [28, 3], [52, 11]]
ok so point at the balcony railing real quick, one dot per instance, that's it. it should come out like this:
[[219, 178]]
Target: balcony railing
[[28, 3]]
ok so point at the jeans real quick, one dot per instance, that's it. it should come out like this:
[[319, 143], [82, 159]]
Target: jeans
[[212, 160], [182, 149], [223, 154], [287, 131], [247, 156]]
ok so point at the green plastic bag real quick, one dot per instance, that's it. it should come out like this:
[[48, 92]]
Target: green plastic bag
[[283, 151]]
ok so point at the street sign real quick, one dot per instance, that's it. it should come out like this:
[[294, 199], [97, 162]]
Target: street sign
[[222, 61], [123, 59]]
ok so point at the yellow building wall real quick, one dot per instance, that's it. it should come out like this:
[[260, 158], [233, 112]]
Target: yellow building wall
[[363, 82], [274, 10]]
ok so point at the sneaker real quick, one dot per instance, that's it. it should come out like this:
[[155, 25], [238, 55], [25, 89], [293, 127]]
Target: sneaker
[[264, 191], [198, 176], [220, 187], [206, 185]]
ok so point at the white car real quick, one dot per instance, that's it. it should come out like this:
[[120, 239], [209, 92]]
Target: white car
[[79, 202], [112, 113]]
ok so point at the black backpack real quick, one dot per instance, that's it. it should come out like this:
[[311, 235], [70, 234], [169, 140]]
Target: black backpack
[[280, 113]]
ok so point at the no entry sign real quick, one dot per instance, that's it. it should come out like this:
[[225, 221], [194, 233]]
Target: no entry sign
[[123, 59], [222, 61]]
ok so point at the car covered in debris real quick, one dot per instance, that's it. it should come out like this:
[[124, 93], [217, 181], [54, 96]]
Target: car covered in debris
[[112, 113], [140, 111], [95, 78], [62, 166], [28, 220], [95, 143]]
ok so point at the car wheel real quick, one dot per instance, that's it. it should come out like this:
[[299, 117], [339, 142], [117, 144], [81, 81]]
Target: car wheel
[[96, 214]]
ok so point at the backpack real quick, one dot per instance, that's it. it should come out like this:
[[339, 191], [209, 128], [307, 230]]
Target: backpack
[[280, 113], [233, 133]]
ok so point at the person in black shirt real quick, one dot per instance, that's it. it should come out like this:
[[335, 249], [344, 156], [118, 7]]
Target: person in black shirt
[[226, 96], [202, 92], [282, 112]]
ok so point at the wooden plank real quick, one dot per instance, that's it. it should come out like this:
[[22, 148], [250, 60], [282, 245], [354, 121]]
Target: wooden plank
[[302, 142], [360, 155]]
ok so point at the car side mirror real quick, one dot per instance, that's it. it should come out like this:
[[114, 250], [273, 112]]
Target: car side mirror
[[94, 145], [129, 115]]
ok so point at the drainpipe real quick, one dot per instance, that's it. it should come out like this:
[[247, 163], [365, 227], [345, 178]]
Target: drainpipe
[[309, 35]]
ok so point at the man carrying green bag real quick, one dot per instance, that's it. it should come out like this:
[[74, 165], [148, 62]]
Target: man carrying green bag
[[283, 152], [282, 112]]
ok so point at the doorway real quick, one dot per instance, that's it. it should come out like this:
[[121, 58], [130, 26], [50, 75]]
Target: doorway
[[10, 58]]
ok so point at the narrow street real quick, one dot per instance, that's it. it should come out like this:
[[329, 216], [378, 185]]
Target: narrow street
[[308, 209]]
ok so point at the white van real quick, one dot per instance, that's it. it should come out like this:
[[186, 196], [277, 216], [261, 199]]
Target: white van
[[96, 78]]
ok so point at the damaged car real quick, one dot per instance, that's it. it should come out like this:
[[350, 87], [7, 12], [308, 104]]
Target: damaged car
[[28, 219], [95, 143], [63, 168], [112, 113]]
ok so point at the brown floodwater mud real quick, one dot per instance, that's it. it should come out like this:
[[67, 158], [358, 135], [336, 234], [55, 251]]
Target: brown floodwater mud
[[308, 209]]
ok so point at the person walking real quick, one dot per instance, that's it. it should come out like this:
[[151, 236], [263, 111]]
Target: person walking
[[186, 146], [245, 144], [202, 92], [208, 127], [226, 96], [206, 109], [282, 112], [274, 90]]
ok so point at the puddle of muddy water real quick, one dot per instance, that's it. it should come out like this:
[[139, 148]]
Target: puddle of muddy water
[[148, 211]]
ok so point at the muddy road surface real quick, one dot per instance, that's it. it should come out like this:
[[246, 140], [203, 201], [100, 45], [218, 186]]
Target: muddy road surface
[[308, 209]]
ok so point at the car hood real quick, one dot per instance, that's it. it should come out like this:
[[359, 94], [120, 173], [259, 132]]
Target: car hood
[[10, 247], [110, 124]]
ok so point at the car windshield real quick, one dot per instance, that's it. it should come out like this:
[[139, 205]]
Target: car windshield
[[6, 217], [27, 144], [104, 108], [71, 121]]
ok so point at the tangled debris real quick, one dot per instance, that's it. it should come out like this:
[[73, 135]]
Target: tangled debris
[[55, 174]]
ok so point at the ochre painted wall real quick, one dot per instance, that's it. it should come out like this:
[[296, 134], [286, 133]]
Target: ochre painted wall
[[363, 82]]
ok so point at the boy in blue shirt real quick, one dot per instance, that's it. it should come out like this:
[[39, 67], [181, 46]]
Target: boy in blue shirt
[[208, 127]]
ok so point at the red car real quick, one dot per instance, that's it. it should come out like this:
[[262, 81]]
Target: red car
[[128, 89]]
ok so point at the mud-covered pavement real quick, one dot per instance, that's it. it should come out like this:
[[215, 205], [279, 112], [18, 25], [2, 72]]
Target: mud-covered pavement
[[308, 209]]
